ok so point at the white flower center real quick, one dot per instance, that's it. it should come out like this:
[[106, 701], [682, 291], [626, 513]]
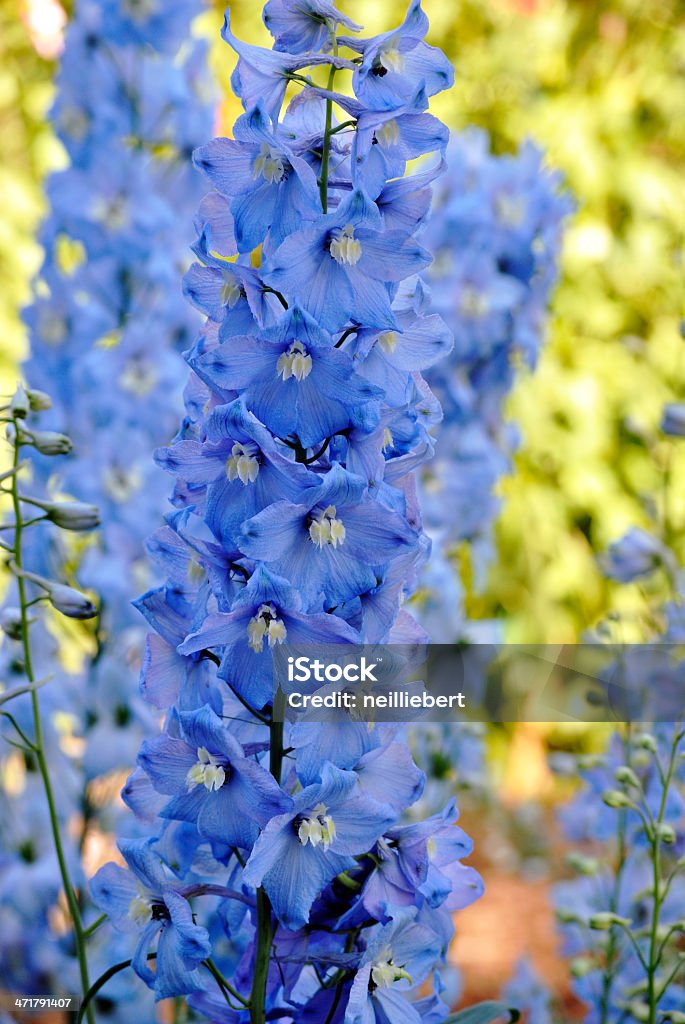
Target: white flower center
[[74, 123], [318, 828], [242, 463], [138, 377], [325, 528], [389, 134], [385, 973], [140, 910], [231, 291], [120, 484], [345, 248], [296, 362], [269, 165], [206, 771], [52, 329], [388, 439], [510, 210], [195, 571], [388, 342], [265, 625], [138, 10], [473, 302], [112, 213], [391, 59]]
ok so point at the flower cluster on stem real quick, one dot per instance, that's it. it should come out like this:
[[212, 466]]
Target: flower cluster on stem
[[295, 519]]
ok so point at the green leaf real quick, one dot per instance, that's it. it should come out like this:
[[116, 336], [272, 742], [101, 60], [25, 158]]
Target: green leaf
[[483, 1013]]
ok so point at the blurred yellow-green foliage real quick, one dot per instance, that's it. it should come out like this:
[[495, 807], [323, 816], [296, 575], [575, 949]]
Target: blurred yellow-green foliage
[[601, 86], [27, 151]]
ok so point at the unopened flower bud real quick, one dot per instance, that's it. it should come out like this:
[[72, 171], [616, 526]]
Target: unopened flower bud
[[673, 1016], [71, 602], [566, 916], [615, 798], [646, 741], [10, 622], [50, 442], [588, 762], [638, 1010], [72, 515], [627, 777], [39, 400], [583, 865], [605, 920], [19, 406], [665, 833], [581, 966]]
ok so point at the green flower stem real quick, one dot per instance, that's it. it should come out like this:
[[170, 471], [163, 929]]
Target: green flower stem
[[225, 985], [612, 942], [92, 928], [655, 952], [265, 923], [326, 156], [72, 902]]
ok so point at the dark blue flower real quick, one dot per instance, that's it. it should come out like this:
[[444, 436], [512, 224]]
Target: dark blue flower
[[294, 380], [299, 852], [304, 26], [344, 266], [147, 899]]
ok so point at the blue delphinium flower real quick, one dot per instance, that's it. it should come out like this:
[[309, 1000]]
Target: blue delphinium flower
[[146, 898], [295, 520], [635, 555]]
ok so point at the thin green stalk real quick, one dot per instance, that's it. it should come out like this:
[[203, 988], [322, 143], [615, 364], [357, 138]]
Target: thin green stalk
[[224, 985], [612, 942], [326, 155], [265, 924], [92, 928], [653, 996], [72, 903]]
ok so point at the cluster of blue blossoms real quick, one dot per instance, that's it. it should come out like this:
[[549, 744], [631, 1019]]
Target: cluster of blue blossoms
[[106, 326], [278, 856], [495, 234]]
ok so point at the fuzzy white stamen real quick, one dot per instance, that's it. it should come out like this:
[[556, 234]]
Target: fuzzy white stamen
[[473, 302], [242, 463], [389, 134], [231, 291], [392, 60], [296, 362], [388, 342], [140, 910], [386, 973], [345, 248], [265, 625], [269, 165], [325, 528], [317, 829], [206, 771]]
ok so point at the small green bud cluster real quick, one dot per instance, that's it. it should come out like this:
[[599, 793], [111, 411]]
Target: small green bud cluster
[[74, 516]]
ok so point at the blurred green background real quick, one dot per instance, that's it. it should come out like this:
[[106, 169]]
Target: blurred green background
[[601, 87]]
